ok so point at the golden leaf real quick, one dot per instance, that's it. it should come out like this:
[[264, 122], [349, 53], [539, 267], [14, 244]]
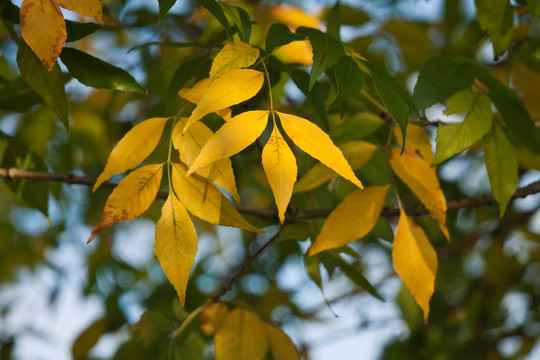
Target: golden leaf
[[212, 317], [195, 93], [90, 8], [235, 55], [417, 140], [281, 346]]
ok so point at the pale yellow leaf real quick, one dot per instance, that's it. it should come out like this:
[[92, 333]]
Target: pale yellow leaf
[[229, 89], [279, 165], [241, 336], [353, 218], [195, 93], [176, 244], [417, 140], [190, 143], [133, 148], [131, 197], [357, 153], [281, 346], [311, 139], [235, 55], [90, 8], [43, 28], [212, 317], [205, 201], [234, 136], [415, 261], [296, 52], [422, 179]]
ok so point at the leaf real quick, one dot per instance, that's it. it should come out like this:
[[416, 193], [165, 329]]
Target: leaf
[[356, 152], [279, 35], [176, 244], [240, 18], [454, 138], [355, 275], [311, 139], [394, 97], [213, 7], [76, 30], [233, 56], [534, 7], [280, 168], [229, 89], [326, 52], [47, 84], [131, 197], [440, 78], [502, 166], [234, 136], [281, 346], [190, 144], [164, 7], [212, 317], [417, 141], [415, 261], [422, 179], [241, 336], [43, 29], [353, 218], [356, 127], [16, 95], [349, 80], [194, 66], [98, 74], [90, 8], [195, 93], [133, 148], [205, 201], [496, 18], [315, 96]]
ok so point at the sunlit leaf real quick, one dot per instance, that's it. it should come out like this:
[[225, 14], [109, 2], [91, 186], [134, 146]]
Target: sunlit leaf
[[195, 93], [90, 8], [133, 148], [311, 139], [234, 136], [353, 218], [502, 166], [176, 244], [281, 346], [229, 89], [131, 197], [415, 261], [280, 167], [233, 56], [241, 336], [212, 317], [422, 179]]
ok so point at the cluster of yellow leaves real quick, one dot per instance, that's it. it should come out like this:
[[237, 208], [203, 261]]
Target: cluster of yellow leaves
[[43, 27], [239, 334]]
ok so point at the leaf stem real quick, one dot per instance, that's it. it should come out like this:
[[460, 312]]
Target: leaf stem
[[267, 75], [374, 101]]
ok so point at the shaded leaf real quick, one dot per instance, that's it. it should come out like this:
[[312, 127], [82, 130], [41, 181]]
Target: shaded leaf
[[279, 35], [355, 275], [315, 96], [233, 56], [534, 7], [164, 7], [16, 95], [496, 18], [356, 127], [213, 7], [76, 30], [212, 317], [240, 18], [349, 80], [281, 346]]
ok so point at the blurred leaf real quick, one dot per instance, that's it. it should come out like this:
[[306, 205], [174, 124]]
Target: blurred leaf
[[348, 79], [164, 7], [195, 66], [496, 18], [212, 317], [88, 338], [15, 95], [190, 349], [534, 7], [213, 7], [279, 35], [355, 275], [240, 19], [333, 20], [153, 327], [298, 231], [281, 346], [316, 96], [167, 44], [356, 127]]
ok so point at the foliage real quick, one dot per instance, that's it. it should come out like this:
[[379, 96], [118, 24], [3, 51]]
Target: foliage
[[353, 159]]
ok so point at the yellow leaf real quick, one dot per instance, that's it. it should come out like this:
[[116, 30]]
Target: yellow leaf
[[190, 144], [241, 336], [131, 197], [311, 139], [133, 148], [357, 153], [229, 89], [421, 178], [415, 261], [43, 28], [353, 218], [90, 8], [195, 93], [235, 55], [417, 140], [205, 201], [299, 52], [225, 114], [281, 346], [212, 317], [280, 167], [234, 136], [176, 244]]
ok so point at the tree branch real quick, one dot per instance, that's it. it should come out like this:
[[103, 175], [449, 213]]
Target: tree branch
[[292, 214]]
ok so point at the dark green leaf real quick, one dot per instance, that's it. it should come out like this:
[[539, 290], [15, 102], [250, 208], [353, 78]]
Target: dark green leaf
[[16, 95], [189, 349], [96, 73], [326, 52], [169, 43], [333, 20], [534, 7], [313, 269], [164, 7], [153, 327], [351, 16], [10, 12], [315, 96], [298, 231], [218, 13], [349, 79], [439, 79], [496, 17], [47, 84], [195, 66], [279, 35], [77, 30], [241, 20]]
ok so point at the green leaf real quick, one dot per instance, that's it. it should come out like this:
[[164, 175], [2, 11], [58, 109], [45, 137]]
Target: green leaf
[[333, 21], [98, 74], [315, 95], [279, 35], [349, 79], [190, 349], [298, 231], [15, 95], [10, 12], [313, 269], [356, 127], [152, 327], [165, 43], [454, 138], [47, 84], [438, 79], [213, 7], [534, 7], [164, 7], [240, 18], [195, 66], [76, 30], [502, 166], [326, 52], [496, 18]]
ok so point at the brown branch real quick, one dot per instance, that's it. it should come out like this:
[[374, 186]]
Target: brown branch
[[292, 214]]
